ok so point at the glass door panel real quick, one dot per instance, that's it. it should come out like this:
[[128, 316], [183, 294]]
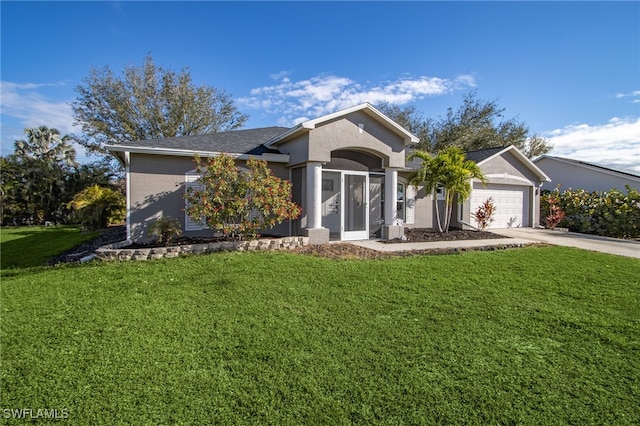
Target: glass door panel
[[355, 218]]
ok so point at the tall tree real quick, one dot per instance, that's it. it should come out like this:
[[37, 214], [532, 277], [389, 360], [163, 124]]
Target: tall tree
[[451, 170], [408, 117], [45, 144], [149, 102], [45, 158], [476, 124]]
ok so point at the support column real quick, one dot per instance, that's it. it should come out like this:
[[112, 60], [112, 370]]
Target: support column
[[314, 230], [391, 230]]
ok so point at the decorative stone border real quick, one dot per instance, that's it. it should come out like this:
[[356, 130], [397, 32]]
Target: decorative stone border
[[119, 251]]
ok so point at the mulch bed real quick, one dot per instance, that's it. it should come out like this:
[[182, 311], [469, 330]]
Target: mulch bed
[[331, 251], [417, 235], [425, 235]]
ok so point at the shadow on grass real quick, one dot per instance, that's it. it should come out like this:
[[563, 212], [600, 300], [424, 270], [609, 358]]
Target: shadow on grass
[[27, 247]]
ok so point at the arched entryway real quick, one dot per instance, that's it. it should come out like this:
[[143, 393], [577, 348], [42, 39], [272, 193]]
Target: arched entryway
[[352, 185]]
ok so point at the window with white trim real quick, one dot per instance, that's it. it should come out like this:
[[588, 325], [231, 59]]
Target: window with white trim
[[440, 191], [191, 181]]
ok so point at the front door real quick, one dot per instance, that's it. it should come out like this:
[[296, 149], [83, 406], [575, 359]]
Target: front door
[[345, 204], [355, 215]]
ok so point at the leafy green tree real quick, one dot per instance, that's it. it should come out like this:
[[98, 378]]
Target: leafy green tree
[[149, 102], [453, 172], [476, 124], [96, 207], [410, 119], [238, 202]]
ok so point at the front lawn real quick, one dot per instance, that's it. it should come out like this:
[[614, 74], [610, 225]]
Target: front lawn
[[528, 336], [27, 246]]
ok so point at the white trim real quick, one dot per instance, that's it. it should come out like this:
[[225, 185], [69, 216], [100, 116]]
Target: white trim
[[269, 157], [505, 176], [127, 182], [190, 179], [312, 124], [353, 235], [523, 158]]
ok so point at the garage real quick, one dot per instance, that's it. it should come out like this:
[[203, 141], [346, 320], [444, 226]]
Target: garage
[[511, 204]]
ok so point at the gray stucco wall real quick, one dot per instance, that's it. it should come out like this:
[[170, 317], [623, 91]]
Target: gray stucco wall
[[509, 164], [157, 190], [344, 133], [423, 210], [575, 176]]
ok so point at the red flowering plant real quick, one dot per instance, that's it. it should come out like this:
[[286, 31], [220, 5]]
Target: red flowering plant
[[484, 214], [239, 202], [556, 214]]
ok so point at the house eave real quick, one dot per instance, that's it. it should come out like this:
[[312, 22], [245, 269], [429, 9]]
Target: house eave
[[366, 107], [269, 157]]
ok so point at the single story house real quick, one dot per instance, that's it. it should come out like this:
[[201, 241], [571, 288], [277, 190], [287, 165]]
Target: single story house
[[348, 172], [577, 174]]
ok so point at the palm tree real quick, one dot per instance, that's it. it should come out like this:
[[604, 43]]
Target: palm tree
[[45, 144], [449, 169], [46, 157], [98, 206]]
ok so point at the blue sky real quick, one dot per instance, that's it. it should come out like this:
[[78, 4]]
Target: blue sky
[[570, 70]]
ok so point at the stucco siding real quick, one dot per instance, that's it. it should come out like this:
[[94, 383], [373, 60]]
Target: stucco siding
[[344, 133], [423, 217], [157, 185], [503, 169]]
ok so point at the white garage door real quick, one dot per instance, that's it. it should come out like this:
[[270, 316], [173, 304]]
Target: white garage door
[[508, 205]]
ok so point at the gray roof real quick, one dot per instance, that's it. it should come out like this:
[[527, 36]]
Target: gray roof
[[248, 141], [626, 172], [482, 154], [475, 156]]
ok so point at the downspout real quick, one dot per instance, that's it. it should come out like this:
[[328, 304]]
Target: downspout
[[127, 173], [536, 206]]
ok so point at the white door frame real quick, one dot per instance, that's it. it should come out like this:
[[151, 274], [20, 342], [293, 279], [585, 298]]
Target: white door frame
[[344, 198], [359, 234]]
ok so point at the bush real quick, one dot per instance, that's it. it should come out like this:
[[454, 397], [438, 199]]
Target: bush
[[96, 207], [165, 230], [237, 202], [611, 213]]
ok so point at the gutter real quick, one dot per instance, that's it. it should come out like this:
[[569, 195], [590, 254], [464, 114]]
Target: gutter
[[269, 157]]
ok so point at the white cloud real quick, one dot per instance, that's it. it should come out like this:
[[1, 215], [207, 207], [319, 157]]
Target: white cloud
[[324, 94], [635, 96], [25, 105], [615, 144], [26, 102]]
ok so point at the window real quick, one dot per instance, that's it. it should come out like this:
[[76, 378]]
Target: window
[[440, 191], [401, 201], [191, 180]]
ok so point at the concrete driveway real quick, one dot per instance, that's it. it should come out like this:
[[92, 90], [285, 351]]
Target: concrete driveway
[[628, 248]]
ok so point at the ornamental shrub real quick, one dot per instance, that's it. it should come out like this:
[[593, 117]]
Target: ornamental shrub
[[484, 214], [165, 230], [238, 203], [610, 213], [96, 207]]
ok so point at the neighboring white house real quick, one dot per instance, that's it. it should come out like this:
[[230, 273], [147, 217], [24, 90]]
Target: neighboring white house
[[576, 174]]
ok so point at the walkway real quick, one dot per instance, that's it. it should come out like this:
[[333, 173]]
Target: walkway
[[519, 237]]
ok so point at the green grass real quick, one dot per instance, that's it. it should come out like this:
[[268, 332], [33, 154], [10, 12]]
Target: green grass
[[28, 246], [528, 336]]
